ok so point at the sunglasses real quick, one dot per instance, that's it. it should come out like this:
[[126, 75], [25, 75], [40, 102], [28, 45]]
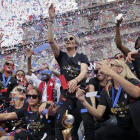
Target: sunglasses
[[114, 65], [33, 96], [120, 56], [21, 90], [9, 64], [19, 74], [95, 71], [66, 38]]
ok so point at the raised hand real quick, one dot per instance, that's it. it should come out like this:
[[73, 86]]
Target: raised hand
[[119, 22], [131, 56], [1, 36], [52, 12], [29, 53], [105, 69]]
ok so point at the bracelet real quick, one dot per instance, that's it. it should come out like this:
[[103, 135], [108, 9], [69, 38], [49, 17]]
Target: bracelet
[[76, 80]]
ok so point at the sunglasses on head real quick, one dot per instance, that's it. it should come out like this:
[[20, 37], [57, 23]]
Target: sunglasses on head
[[33, 96], [21, 90], [120, 56], [114, 65], [9, 64], [95, 71], [66, 38]]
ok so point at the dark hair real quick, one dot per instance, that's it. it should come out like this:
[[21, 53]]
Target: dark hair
[[117, 54], [24, 75], [38, 92], [18, 71], [136, 42]]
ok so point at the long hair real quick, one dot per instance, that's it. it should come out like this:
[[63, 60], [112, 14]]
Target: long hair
[[23, 73], [136, 42], [126, 73], [38, 92]]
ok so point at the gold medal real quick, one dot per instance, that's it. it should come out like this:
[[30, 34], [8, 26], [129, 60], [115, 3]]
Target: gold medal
[[113, 110]]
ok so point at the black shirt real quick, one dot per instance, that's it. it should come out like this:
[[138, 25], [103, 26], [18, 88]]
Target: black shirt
[[36, 124], [14, 124], [70, 67], [136, 64], [12, 84], [95, 82], [123, 116]]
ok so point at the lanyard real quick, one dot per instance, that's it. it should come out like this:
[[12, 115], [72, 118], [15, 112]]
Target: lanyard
[[115, 99], [5, 83]]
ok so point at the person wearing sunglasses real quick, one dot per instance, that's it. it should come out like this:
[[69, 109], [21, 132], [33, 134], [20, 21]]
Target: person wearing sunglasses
[[18, 95], [125, 50], [73, 67], [120, 56], [118, 95], [21, 79], [7, 83], [38, 126]]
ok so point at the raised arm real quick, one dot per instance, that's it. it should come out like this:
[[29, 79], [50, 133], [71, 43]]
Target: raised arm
[[131, 89], [131, 55], [51, 67], [51, 41], [8, 116], [29, 56], [122, 48], [1, 36]]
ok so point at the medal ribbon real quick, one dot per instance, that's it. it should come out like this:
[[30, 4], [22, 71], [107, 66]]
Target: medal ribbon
[[5, 83], [115, 99]]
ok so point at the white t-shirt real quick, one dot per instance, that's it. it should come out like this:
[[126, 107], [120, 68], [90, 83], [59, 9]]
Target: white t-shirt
[[44, 95], [34, 79]]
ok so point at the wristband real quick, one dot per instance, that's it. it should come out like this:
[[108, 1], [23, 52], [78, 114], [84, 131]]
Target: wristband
[[76, 80], [45, 111]]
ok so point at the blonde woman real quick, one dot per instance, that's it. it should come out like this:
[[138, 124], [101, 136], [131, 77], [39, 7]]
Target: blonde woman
[[18, 96], [116, 96]]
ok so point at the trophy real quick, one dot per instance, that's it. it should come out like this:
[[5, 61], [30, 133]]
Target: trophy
[[67, 122]]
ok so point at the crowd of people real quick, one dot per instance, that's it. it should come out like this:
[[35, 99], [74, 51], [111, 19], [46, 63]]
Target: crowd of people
[[108, 105]]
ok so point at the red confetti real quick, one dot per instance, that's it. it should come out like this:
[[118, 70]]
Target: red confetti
[[6, 129]]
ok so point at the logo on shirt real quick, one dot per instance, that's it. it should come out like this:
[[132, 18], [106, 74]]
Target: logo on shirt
[[79, 63], [72, 71]]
